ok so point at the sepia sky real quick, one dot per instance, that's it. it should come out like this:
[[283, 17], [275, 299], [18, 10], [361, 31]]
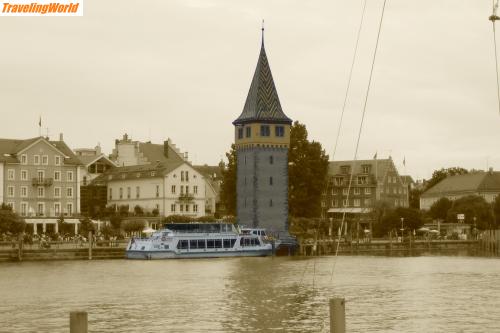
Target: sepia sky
[[182, 69]]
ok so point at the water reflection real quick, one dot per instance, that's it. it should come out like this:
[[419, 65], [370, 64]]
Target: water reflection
[[384, 294]]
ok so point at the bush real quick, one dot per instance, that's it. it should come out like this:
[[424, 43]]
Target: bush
[[156, 212], [123, 210], [115, 221], [132, 226], [86, 225], [206, 218], [178, 219], [10, 222], [138, 210]]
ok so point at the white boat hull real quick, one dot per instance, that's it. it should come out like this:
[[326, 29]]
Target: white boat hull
[[153, 255]]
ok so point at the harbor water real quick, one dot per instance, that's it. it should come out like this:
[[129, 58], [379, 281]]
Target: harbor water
[[280, 294]]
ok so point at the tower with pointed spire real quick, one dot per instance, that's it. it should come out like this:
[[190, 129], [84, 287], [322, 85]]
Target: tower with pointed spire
[[262, 139]]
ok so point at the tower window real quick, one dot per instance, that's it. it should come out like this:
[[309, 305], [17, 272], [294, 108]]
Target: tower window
[[264, 130], [240, 133], [270, 180], [271, 203], [249, 131], [271, 159], [279, 131]]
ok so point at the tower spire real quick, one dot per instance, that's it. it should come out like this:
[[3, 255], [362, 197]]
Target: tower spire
[[262, 32]]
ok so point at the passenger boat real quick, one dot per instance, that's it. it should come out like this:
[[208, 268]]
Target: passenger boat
[[201, 240]]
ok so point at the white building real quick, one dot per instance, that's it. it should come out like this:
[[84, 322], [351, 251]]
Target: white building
[[481, 183], [155, 177]]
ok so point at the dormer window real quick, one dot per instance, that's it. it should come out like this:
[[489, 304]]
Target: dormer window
[[153, 173], [366, 168], [345, 169]]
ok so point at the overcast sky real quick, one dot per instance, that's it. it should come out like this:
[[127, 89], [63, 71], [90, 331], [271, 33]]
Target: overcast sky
[[182, 70]]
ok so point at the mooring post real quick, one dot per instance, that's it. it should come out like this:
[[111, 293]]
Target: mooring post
[[20, 247], [337, 315], [78, 322], [90, 245]]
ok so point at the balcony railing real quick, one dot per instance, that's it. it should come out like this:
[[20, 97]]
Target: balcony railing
[[186, 197], [42, 181]]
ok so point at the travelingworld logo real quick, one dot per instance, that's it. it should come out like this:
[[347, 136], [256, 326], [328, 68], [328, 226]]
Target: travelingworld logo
[[41, 8]]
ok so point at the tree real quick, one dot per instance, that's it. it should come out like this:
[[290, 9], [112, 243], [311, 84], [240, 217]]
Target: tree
[[476, 210], [412, 220], [86, 225], [115, 221], [228, 185], [496, 211], [156, 212], [63, 227], [10, 222], [138, 210], [206, 218], [379, 210], [307, 173], [439, 209], [439, 175], [123, 209], [133, 226], [178, 219]]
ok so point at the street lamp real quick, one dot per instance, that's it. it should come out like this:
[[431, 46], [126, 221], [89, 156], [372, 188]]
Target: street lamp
[[402, 229]]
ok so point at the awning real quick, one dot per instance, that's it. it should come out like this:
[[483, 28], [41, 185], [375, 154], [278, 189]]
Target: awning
[[352, 210]]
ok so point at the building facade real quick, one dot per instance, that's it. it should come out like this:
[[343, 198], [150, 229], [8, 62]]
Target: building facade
[[164, 189], [372, 181], [262, 139], [39, 179], [93, 191], [156, 177], [483, 183]]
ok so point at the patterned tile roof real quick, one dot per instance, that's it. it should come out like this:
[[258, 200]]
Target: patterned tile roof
[[263, 103]]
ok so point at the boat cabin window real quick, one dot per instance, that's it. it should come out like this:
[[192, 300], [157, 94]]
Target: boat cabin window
[[197, 244], [182, 244], [229, 243], [247, 241]]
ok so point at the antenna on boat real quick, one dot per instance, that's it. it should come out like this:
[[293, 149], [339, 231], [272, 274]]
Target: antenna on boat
[[493, 18]]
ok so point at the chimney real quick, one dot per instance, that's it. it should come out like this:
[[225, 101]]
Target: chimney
[[491, 170], [61, 138], [98, 150], [165, 148]]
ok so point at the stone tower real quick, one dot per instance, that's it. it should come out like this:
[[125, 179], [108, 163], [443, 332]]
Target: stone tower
[[262, 138]]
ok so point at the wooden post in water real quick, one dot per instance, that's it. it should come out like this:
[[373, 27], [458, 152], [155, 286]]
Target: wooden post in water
[[20, 247], [78, 322], [90, 245], [337, 315]]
